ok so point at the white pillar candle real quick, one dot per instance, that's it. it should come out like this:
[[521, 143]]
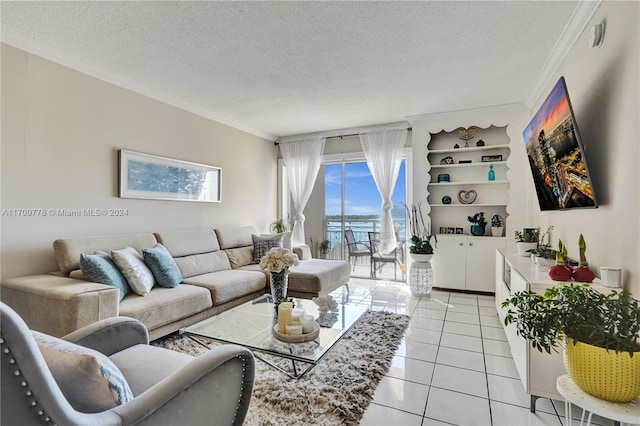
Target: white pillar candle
[[296, 314], [307, 323], [294, 329], [284, 316]]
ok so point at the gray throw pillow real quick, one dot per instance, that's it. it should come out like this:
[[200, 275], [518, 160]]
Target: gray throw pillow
[[89, 380], [261, 245], [162, 265], [99, 268], [138, 275]]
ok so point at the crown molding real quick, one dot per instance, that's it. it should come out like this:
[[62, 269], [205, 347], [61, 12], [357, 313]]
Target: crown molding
[[581, 16], [61, 59]]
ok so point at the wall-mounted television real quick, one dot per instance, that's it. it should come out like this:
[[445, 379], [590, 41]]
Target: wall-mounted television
[[557, 156]]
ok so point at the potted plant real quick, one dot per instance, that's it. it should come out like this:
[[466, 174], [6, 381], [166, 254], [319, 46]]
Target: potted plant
[[583, 273], [420, 249], [527, 240], [478, 223], [281, 225], [497, 225], [545, 255], [562, 270], [324, 248], [600, 334]]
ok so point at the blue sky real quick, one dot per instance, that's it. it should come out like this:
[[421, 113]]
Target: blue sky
[[361, 194]]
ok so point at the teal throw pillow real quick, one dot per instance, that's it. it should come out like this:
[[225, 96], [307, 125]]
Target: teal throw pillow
[[163, 266], [99, 268], [262, 244]]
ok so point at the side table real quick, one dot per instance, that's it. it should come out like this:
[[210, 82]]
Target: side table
[[420, 278], [625, 412]]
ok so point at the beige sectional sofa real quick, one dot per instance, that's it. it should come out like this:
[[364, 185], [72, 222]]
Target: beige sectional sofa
[[217, 270]]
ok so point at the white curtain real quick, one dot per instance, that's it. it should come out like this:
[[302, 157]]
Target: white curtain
[[302, 161], [383, 151]]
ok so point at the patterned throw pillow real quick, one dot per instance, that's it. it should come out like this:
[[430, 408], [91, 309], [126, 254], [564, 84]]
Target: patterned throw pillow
[[132, 266], [261, 245], [163, 266], [99, 268], [89, 380]]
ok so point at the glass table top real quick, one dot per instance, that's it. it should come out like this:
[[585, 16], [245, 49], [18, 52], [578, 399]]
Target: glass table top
[[250, 325]]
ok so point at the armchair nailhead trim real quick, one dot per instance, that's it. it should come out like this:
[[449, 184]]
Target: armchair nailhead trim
[[24, 384]]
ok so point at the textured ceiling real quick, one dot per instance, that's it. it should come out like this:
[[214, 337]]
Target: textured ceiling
[[286, 68]]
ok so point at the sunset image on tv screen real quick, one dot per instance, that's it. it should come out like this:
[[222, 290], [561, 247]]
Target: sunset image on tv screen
[[559, 169]]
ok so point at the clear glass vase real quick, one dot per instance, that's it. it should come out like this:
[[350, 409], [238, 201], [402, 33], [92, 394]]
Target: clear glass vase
[[279, 282]]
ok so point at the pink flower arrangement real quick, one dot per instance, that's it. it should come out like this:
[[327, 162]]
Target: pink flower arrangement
[[279, 259]]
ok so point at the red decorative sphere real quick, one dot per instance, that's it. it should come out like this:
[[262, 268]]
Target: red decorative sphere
[[560, 273], [583, 274]]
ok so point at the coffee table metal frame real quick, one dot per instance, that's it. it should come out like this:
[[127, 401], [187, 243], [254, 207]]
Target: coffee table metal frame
[[250, 325]]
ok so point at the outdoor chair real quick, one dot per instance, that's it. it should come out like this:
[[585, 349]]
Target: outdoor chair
[[378, 259], [356, 248], [107, 374]]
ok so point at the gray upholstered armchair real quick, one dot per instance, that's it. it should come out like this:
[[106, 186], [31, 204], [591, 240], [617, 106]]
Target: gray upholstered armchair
[[148, 385]]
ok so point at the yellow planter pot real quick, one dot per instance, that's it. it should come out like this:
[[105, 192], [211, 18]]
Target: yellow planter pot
[[604, 374]]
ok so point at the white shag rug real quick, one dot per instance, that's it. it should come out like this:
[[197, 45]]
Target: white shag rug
[[337, 391]]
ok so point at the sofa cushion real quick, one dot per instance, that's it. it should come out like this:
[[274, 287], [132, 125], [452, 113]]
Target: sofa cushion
[[68, 250], [230, 285], [99, 268], [237, 236], [164, 268], [199, 264], [261, 245], [319, 276], [163, 306], [144, 365], [240, 256], [90, 381], [186, 243], [132, 266], [286, 240]]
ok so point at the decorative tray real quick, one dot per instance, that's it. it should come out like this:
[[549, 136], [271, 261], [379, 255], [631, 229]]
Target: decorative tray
[[300, 338]]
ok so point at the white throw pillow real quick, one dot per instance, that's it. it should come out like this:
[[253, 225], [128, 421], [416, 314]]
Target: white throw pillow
[[132, 266]]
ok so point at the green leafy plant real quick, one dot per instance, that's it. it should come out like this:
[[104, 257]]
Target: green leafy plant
[[420, 235], [497, 221], [478, 219], [324, 246], [579, 312], [545, 251], [582, 246], [281, 225], [528, 237]]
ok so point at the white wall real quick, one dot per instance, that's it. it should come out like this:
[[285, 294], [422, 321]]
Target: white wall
[[603, 85], [61, 132]]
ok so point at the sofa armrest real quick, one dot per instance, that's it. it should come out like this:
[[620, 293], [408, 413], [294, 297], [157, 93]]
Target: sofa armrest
[[303, 251], [110, 335], [57, 305]]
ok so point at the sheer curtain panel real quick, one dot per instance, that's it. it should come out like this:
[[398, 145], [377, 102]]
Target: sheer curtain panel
[[383, 151], [302, 161]]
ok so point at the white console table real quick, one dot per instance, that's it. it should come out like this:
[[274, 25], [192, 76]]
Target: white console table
[[538, 371]]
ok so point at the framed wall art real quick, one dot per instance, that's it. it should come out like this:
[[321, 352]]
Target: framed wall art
[[160, 178]]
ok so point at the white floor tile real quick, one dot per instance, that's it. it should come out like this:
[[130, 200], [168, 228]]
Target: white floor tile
[[507, 390], [461, 358], [423, 336], [496, 347], [461, 317], [433, 304], [462, 328], [411, 369], [494, 333], [428, 324], [490, 321], [508, 415], [488, 310], [457, 408], [417, 350], [501, 366], [458, 341], [379, 415], [484, 301], [463, 309], [460, 380], [426, 313], [401, 395]]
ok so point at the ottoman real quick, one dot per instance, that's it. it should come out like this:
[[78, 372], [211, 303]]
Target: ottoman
[[318, 277]]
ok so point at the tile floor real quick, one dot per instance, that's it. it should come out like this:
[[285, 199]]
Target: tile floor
[[453, 366]]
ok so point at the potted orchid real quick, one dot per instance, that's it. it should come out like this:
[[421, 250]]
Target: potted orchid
[[277, 261], [420, 249]]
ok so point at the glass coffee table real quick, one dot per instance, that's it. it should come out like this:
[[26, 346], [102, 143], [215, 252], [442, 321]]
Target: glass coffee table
[[251, 324]]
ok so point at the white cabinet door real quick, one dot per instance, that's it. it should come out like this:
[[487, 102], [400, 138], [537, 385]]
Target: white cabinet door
[[449, 263], [481, 261]]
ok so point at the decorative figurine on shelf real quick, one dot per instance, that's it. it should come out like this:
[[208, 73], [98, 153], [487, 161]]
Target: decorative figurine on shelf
[[446, 200], [447, 160], [466, 135], [480, 142], [492, 174], [456, 146]]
